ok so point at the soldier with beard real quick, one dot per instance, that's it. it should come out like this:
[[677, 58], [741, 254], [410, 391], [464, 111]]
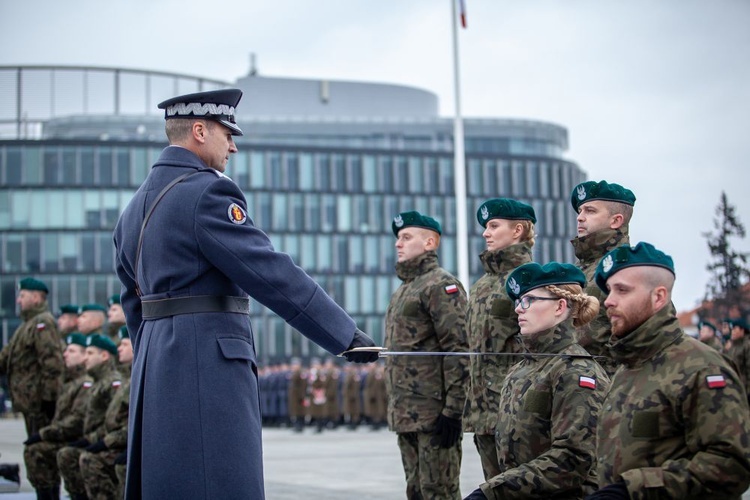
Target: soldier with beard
[[604, 212], [676, 422]]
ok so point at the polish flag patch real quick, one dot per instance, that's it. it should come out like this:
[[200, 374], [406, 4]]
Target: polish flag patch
[[588, 382], [40, 326], [451, 289], [87, 384], [716, 381], [116, 383]]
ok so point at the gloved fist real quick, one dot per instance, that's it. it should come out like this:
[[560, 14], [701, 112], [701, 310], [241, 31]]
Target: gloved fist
[[477, 494], [616, 491], [97, 447], [361, 339], [48, 408], [122, 458], [448, 431], [34, 438], [81, 443]]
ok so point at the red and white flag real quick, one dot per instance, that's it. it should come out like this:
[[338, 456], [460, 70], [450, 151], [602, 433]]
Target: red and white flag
[[451, 289], [588, 382], [716, 381], [463, 12]]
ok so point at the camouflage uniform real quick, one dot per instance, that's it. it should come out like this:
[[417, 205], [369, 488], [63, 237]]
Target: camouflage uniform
[[375, 396], [589, 250], [333, 410], [714, 343], [33, 363], [296, 397], [739, 352], [547, 420], [492, 326], [675, 423], [66, 426], [98, 469], [351, 396], [426, 313], [107, 381]]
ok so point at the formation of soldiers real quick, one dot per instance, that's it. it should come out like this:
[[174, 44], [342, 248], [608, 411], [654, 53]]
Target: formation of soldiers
[[70, 378], [322, 395]]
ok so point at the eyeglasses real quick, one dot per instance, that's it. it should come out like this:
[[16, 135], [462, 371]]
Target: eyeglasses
[[526, 301]]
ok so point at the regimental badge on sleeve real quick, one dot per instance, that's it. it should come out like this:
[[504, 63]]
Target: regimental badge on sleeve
[[451, 289], [236, 214], [716, 381], [587, 382]]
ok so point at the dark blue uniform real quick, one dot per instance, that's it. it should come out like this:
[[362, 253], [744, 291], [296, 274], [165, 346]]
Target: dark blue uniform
[[195, 424]]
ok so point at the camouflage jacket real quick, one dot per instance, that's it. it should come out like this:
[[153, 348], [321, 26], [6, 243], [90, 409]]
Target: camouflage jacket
[[426, 313], [589, 250], [67, 425], [739, 352], [116, 419], [492, 326], [676, 422], [714, 343], [107, 381], [547, 420], [33, 361]]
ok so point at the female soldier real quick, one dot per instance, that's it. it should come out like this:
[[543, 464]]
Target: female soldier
[[551, 399], [492, 324]]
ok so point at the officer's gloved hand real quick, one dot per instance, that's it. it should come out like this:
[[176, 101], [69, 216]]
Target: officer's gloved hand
[[48, 408], [81, 443], [97, 447], [448, 430], [616, 491], [361, 339], [34, 438], [477, 494], [122, 458]]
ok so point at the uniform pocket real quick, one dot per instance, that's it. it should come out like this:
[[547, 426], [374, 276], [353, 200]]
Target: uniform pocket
[[233, 348]]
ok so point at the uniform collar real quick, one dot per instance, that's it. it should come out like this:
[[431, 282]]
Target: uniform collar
[[497, 261], [34, 311], [593, 247], [552, 340], [654, 335], [410, 269]]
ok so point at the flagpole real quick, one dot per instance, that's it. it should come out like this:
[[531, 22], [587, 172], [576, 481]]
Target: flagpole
[[459, 168]]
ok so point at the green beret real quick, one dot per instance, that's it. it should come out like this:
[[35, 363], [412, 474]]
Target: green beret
[[115, 299], [92, 307], [504, 208], [102, 342], [122, 333], [702, 323], [590, 190], [76, 338], [69, 309], [643, 254], [532, 275], [739, 322], [414, 219], [32, 284]]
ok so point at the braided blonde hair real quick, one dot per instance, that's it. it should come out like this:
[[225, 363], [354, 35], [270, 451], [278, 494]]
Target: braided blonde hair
[[583, 307], [528, 231]]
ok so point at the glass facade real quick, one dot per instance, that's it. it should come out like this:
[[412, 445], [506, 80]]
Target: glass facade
[[329, 208]]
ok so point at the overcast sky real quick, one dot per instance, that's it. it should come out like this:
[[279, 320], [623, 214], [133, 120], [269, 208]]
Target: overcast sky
[[655, 94]]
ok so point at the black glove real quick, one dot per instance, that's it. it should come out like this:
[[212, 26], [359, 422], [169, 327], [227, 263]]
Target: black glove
[[448, 430], [34, 438], [97, 447], [48, 408], [122, 458], [616, 491], [81, 443], [361, 340], [477, 494]]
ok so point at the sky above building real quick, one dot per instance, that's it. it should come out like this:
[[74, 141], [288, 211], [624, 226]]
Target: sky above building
[[655, 94]]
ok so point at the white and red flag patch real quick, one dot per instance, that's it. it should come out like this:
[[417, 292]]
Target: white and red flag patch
[[716, 381], [40, 326], [588, 382], [451, 289]]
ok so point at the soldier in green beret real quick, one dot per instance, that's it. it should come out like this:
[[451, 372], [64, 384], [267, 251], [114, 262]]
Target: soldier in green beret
[[492, 323], [32, 360], [91, 319], [707, 333], [101, 353], [67, 321], [40, 453], [426, 313], [549, 405], [739, 350], [115, 317], [604, 212], [676, 421]]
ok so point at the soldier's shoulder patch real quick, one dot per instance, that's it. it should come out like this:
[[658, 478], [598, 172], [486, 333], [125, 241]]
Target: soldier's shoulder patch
[[40, 326], [587, 382], [116, 383], [236, 214], [450, 289], [87, 384], [716, 381]]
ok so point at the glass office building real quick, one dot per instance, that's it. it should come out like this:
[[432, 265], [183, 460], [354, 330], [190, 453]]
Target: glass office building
[[325, 166]]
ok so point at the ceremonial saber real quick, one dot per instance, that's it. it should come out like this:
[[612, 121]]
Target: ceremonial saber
[[383, 352]]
